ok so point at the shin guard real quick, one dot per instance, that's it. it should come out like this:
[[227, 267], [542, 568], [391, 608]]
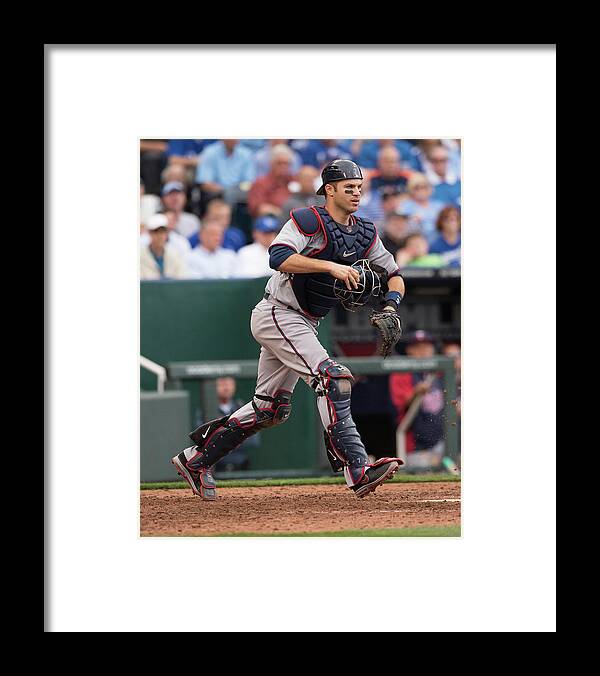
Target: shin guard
[[215, 439], [345, 448]]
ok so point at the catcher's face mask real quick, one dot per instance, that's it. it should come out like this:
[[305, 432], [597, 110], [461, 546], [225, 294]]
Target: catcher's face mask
[[369, 286]]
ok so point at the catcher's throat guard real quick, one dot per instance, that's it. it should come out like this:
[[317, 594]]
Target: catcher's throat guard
[[372, 285]]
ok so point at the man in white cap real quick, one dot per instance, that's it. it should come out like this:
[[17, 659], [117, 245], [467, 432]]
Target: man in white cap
[[158, 258], [175, 240]]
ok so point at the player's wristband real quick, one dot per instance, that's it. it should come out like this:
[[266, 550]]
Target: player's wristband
[[393, 297]]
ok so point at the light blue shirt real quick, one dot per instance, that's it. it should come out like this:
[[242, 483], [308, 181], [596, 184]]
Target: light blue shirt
[[409, 153], [216, 166], [262, 162], [204, 264], [253, 144], [422, 218]]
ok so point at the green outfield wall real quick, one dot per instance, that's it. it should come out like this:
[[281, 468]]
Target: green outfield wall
[[198, 320]]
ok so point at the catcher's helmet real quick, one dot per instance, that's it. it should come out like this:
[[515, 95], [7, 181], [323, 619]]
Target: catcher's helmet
[[338, 170], [369, 286]]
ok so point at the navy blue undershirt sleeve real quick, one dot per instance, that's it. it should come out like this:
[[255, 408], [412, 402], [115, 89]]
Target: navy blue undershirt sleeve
[[278, 253]]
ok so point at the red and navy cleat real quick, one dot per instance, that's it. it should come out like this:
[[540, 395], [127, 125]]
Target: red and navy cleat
[[380, 471], [201, 482]]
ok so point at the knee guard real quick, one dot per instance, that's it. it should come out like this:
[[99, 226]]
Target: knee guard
[[345, 448], [217, 438], [278, 412]]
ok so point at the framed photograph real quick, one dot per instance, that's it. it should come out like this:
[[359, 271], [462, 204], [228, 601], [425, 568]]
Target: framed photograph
[[254, 339], [300, 337]]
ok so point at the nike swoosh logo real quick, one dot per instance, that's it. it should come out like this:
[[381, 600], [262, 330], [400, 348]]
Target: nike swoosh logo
[[348, 253], [205, 433]]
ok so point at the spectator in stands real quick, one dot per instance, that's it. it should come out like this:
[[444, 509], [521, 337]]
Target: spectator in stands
[[269, 193], [305, 196], [453, 146], [377, 205], [371, 204], [446, 183], [149, 205], [317, 153], [174, 199], [253, 259], [409, 153], [153, 159], [395, 232], [233, 238], [253, 144], [424, 146], [423, 211], [180, 242], [451, 348], [158, 258], [176, 173], [209, 260], [184, 152], [447, 245], [419, 397], [332, 150], [262, 158], [225, 394], [175, 240], [392, 199], [389, 172], [366, 152], [415, 253], [224, 168], [219, 211]]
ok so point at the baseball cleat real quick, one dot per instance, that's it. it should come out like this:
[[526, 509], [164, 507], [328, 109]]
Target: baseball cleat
[[202, 483], [380, 471]]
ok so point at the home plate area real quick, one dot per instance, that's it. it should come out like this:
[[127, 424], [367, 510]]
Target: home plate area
[[282, 510]]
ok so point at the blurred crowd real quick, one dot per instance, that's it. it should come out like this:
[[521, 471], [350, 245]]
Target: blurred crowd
[[209, 209]]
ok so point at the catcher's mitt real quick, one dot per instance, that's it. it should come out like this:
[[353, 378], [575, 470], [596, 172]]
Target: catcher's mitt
[[389, 326]]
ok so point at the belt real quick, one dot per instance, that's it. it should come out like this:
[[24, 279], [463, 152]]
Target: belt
[[289, 307]]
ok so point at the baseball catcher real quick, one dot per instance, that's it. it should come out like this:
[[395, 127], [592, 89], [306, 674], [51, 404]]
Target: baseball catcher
[[322, 255]]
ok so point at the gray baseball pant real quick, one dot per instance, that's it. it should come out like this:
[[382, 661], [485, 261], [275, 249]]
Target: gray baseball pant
[[290, 349]]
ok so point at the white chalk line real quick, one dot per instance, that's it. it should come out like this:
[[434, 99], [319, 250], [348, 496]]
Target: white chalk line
[[385, 511], [441, 500]]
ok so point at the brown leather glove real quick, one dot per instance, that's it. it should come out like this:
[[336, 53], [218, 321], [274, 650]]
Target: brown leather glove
[[388, 324]]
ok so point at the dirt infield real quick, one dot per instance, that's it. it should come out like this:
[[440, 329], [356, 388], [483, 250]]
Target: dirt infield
[[290, 509]]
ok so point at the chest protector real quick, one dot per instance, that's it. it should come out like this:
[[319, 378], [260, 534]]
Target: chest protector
[[344, 245]]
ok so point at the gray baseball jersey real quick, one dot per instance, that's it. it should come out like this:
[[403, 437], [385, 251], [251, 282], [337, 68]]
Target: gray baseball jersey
[[279, 286]]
